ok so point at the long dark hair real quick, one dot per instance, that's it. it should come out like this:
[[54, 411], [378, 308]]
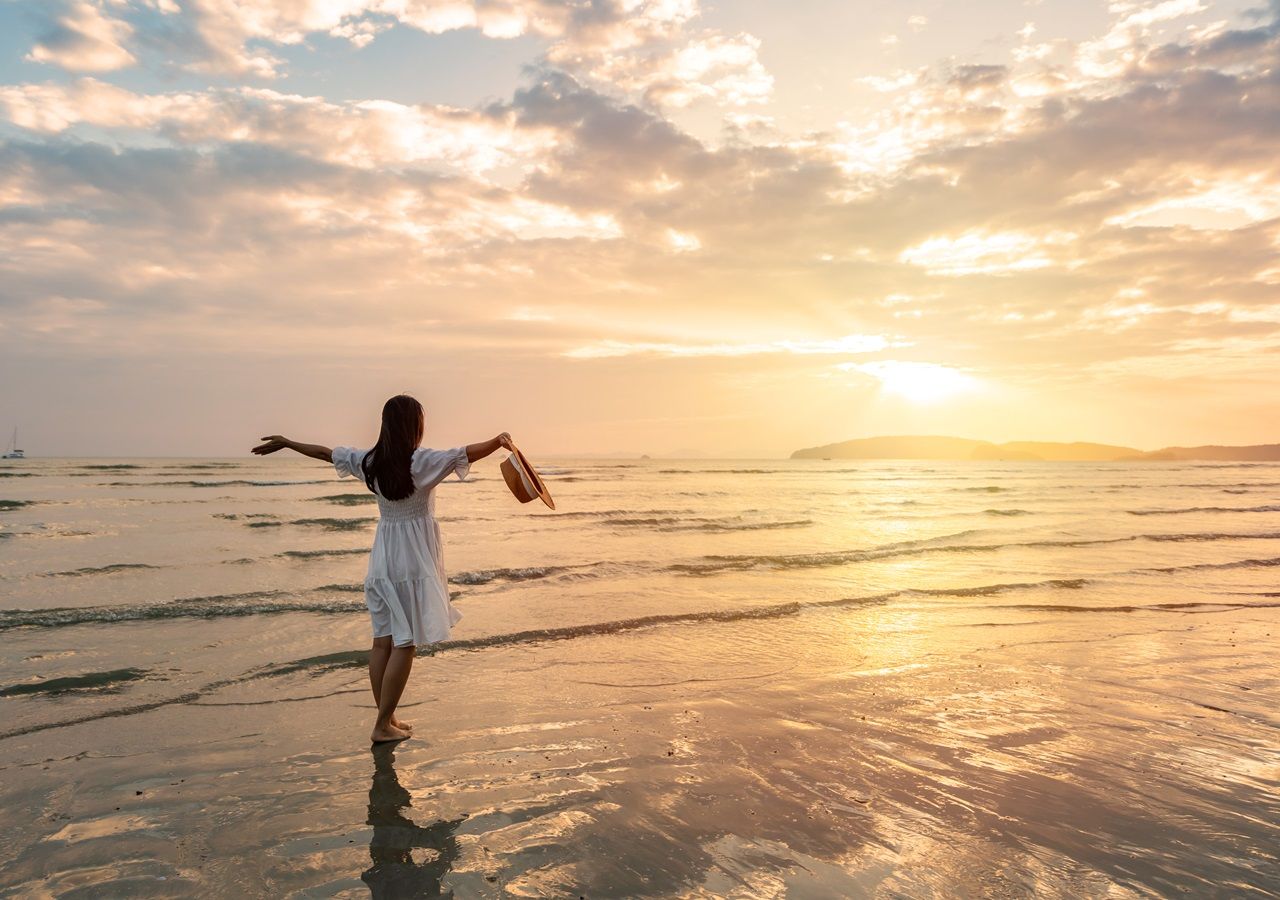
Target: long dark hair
[[387, 463]]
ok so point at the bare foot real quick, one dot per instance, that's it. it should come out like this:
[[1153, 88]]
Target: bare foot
[[403, 726], [390, 733]]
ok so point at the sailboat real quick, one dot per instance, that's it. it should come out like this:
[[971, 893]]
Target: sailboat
[[12, 452]]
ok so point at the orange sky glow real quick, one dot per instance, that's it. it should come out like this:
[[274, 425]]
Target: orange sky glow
[[672, 227]]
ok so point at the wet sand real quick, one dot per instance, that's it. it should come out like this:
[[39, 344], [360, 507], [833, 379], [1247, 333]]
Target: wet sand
[[872, 749]]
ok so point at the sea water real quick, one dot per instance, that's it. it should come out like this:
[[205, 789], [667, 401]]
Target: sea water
[[131, 586]]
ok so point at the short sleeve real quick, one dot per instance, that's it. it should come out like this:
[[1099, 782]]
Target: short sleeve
[[430, 467], [347, 461]]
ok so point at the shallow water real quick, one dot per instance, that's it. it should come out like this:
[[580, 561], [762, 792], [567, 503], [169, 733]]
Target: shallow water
[[747, 678]]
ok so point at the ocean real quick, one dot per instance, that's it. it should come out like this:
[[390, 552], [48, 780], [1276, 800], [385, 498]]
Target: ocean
[[694, 678]]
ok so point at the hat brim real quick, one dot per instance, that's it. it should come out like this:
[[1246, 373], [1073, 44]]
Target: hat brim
[[531, 478]]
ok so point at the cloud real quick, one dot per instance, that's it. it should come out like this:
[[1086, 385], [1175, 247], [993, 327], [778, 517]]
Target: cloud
[[851, 343], [720, 68], [186, 248], [369, 133], [979, 78], [1209, 204], [985, 253], [1118, 50], [84, 38], [646, 47]]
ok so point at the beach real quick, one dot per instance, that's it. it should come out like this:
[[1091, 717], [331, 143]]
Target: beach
[[697, 678]]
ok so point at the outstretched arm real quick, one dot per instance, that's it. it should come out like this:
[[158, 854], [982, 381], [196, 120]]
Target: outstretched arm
[[274, 442], [484, 448]]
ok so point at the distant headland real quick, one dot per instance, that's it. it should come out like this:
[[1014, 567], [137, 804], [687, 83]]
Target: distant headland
[[940, 447]]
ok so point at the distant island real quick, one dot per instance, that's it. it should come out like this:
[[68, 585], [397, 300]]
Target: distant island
[[940, 447]]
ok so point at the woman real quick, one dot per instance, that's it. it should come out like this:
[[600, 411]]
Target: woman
[[405, 588]]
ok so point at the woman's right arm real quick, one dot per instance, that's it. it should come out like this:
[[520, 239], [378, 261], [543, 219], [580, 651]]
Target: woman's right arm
[[484, 448], [274, 442]]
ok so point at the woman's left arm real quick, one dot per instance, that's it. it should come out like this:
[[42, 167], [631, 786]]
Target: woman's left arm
[[274, 442], [485, 448]]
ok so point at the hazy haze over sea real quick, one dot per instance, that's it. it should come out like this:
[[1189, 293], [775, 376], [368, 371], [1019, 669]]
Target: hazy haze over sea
[[696, 678]]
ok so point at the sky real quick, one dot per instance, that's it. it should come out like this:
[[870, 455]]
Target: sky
[[670, 227]]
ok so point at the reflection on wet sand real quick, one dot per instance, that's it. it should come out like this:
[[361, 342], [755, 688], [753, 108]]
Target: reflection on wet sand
[[394, 872]]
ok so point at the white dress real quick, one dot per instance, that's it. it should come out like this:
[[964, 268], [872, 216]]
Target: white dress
[[406, 588]]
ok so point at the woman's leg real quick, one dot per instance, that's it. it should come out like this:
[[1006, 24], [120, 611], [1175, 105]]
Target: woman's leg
[[378, 656], [394, 677]]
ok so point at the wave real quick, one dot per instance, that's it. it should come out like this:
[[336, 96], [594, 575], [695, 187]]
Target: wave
[[235, 516], [1007, 512], [986, 489], [647, 520], [190, 470], [700, 523], [338, 524], [263, 520], [711, 565], [358, 658], [1219, 484], [99, 570], [525, 573], [191, 483], [348, 499], [744, 526], [618, 626], [249, 604], [355, 658], [1136, 607], [1271, 507], [565, 571], [1262, 563], [6, 505], [1211, 536], [114, 467], [87, 682], [989, 590], [320, 554], [722, 471], [40, 530], [597, 513], [359, 589], [271, 602]]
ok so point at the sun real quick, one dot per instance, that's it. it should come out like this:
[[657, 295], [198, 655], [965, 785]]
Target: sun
[[917, 382]]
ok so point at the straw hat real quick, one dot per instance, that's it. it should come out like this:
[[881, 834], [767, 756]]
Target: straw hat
[[523, 479]]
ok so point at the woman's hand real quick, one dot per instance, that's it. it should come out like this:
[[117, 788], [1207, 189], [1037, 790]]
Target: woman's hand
[[273, 443], [504, 440]]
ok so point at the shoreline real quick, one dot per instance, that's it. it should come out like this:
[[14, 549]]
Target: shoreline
[[627, 765]]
